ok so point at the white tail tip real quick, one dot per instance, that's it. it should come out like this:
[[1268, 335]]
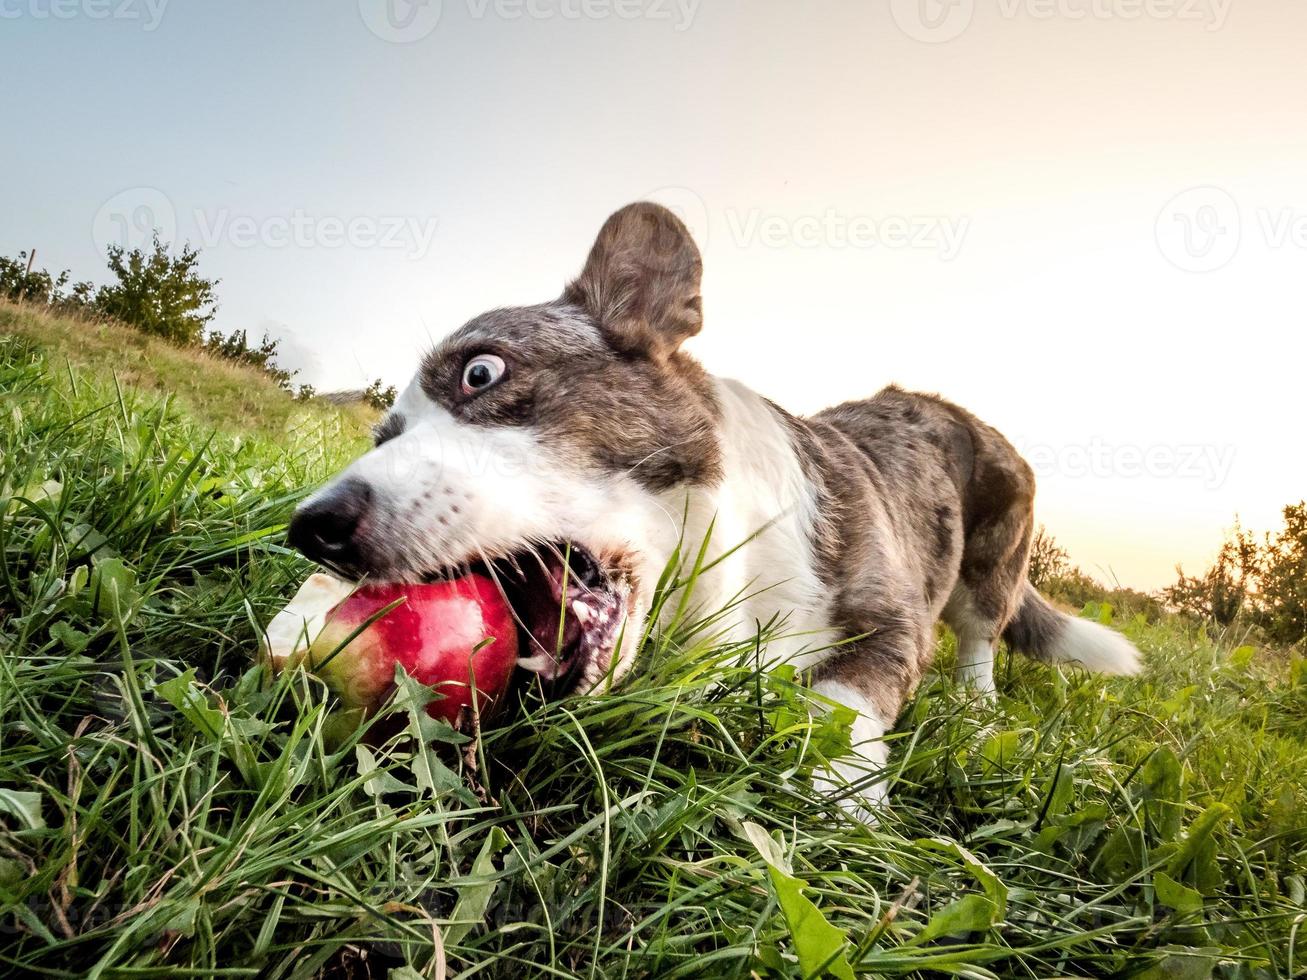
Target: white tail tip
[[1095, 647]]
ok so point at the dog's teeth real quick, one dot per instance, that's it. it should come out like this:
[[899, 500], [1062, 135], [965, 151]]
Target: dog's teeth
[[582, 611], [538, 663]]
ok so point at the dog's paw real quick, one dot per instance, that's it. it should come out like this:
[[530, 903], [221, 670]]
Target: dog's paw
[[847, 787]]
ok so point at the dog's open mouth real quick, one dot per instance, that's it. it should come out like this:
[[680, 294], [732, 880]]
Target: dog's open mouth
[[570, 611]]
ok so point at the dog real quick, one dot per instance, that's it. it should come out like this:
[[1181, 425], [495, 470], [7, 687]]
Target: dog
[[572, 448]]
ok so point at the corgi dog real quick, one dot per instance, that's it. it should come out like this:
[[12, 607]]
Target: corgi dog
[[571, 448]]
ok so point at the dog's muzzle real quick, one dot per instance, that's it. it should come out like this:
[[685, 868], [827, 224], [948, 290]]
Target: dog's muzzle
[[331, 528]]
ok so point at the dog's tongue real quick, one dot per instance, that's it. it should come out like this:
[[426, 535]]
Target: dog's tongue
[[557, 625]]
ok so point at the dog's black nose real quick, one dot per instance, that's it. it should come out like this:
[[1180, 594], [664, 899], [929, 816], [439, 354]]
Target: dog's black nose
[[326, 529]]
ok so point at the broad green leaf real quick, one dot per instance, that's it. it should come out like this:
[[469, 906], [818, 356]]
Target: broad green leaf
[[1183, 963], [77, 581], [11, 872], [1180, 897], [818, 944], [113, 590], [766, 845], [377, 780], [1297, 889], [1121, 855], [1179, 700], [341, 725], [433, 776], [474, 896], [999, 750], [1060, 792], [183, 920], [769, 958], [73, 640], [995, 890], [1241, 658], [88, 541], [41, 494], [193, 704], [1192, 845], [23, 805], [1160, 789], [970, 913], [182, 693]]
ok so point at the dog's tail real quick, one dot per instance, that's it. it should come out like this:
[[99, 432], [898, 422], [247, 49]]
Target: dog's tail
[[1038, 630]]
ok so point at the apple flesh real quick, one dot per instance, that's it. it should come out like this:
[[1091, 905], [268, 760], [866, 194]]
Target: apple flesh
[[451, 635]]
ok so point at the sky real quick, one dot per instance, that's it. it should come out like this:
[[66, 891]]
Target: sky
[[1084, 220]]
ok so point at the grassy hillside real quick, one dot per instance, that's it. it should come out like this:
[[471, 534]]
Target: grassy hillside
[[212, 391], [166, 811]]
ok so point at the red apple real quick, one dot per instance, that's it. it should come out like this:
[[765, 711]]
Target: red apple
[[432, 634]]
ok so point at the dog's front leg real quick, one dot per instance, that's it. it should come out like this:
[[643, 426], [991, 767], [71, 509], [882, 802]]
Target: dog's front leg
[[857, 782], [873, 676]]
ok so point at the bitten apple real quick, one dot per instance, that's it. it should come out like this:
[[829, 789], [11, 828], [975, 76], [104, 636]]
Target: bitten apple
[[432, 633]]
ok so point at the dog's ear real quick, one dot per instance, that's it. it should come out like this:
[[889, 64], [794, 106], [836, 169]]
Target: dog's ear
[[641, 281]]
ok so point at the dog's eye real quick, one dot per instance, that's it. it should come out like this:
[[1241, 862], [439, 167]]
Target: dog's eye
[[481, 372]]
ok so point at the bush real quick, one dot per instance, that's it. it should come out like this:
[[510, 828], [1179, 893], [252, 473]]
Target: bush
[[1052, 573], [380, 398], [24, 285], [1263, 583], [236, 347], [159, 293]]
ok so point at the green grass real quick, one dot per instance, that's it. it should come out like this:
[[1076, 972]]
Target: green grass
[[214, 392], [167, 811]]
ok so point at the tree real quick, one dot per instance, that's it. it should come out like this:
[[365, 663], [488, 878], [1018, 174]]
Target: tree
[[379, 396], [1048, 560], [159, 293], [1283, 578], [1225, 590]]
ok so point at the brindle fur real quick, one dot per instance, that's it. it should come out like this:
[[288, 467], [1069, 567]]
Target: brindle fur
[[923, 504], [650, 417]]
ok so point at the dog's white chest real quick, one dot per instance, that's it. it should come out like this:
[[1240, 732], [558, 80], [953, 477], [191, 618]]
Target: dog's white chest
[[760, 518]]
